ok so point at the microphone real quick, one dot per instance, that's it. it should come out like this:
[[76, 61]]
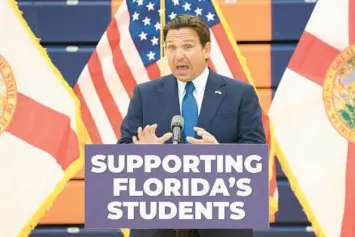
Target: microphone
[[177, 126]]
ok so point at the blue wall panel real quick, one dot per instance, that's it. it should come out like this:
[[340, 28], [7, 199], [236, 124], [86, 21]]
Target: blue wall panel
[[286, 232], [280, 57], [58, 22], [70, 60], [290, 211], [73, 232], [289, 18]]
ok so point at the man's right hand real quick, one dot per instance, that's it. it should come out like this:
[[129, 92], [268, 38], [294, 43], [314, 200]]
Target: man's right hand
[[148, 136]]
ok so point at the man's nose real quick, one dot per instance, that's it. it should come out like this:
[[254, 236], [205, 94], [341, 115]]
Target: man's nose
[[179, 54]]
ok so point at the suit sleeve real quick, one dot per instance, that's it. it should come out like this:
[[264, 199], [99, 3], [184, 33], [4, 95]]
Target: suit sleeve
[[133, 118], [250, 125]]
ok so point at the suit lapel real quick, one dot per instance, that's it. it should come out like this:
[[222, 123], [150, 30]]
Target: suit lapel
[[169, 98], [212, 99]]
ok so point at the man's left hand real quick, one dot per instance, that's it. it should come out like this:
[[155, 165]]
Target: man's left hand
[[206, 137]]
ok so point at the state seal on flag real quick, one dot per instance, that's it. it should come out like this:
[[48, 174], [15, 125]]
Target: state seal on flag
[[8, 94], [339, 93]]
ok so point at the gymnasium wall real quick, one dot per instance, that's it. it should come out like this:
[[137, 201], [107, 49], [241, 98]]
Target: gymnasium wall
[[267, 32]]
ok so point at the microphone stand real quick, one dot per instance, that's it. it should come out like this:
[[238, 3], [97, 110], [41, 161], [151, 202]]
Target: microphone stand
[[182, 233]]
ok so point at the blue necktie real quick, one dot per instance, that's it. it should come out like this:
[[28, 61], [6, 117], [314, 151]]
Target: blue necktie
[[189, 111]]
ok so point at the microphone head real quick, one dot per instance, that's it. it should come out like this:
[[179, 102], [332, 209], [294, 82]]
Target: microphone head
[[177, 121]]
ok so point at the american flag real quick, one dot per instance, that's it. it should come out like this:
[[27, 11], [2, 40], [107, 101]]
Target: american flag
[[129, 53]]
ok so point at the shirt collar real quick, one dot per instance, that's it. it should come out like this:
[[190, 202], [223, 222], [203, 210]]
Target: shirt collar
[[199, 83]]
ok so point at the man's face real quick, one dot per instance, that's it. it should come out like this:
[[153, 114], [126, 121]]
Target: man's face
[[186, 56]]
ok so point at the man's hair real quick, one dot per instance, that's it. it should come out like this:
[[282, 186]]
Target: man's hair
[[188, 21]]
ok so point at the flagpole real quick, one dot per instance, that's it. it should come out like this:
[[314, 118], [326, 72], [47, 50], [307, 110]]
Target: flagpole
[[162, 24]]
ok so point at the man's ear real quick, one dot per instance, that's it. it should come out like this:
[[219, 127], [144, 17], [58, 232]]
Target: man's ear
[[207, 50]]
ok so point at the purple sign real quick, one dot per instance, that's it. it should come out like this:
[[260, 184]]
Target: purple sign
[[177, 186]]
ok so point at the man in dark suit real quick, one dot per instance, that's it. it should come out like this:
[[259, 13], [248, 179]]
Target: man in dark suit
[[216, 109]]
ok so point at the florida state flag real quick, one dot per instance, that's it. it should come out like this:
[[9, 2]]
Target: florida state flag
[[313, 114], [41, 133]]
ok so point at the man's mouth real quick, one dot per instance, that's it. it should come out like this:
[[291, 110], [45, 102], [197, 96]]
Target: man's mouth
[[182, 67]]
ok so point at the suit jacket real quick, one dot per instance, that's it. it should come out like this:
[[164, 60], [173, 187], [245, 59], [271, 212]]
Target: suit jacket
[[232, 116]]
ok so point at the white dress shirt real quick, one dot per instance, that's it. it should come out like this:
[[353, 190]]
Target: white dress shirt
[[200, 85]]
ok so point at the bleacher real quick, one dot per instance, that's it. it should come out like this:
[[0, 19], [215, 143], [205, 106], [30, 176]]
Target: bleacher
[[267, 31]]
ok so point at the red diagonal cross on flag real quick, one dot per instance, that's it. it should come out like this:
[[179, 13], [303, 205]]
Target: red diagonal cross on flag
[[313, 114]]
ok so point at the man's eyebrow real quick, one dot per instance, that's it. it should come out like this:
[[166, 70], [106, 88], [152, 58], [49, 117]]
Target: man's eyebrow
[[185, 41], [189, 41]]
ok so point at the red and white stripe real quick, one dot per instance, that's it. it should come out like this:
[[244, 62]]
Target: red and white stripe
[[41, 142], [321, 162]]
